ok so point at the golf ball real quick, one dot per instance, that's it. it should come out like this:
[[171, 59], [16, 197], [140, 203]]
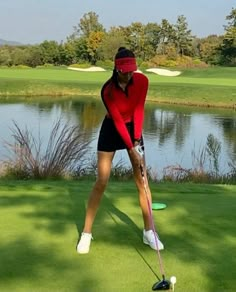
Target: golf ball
[[173, 280]]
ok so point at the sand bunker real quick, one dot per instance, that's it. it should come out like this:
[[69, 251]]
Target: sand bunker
[[164, 72], [90, 69]]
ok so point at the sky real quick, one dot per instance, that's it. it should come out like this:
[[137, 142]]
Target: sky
[[33, 21]]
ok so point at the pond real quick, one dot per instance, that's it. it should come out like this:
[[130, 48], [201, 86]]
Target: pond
[[173, 134]]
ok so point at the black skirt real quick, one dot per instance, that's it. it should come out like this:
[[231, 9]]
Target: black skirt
[[109, 139]]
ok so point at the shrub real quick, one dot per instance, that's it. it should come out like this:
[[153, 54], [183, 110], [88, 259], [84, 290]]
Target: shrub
[[21, 67], [158, 60], [179, 61], [46, 66], [206, 156], [107, 64], [143, 66], [66, 147], [188, 62]]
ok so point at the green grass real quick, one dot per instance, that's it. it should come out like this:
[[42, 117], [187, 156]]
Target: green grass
[[202, 87], [39, 229], [214, 87], [54, 75], [211, 72]]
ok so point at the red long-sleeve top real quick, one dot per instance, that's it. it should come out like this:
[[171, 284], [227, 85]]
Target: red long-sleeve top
[[123, 107]]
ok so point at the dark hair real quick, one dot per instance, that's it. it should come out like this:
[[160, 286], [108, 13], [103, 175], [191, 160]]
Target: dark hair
[[124, 53]]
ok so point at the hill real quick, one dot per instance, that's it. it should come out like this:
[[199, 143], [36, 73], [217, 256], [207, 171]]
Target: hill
[[11, 43]]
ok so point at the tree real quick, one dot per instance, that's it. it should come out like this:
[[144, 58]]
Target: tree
[[36, 56], [67, 54], [228, 48], [50, 52], [183, 38], [88, 23], [88, 33], [81, 49], [152, 39], [5, 57], [93, 44], [135, 37], [208, 49], [112, 40], [166, 36], [19, 56], [231, 19]]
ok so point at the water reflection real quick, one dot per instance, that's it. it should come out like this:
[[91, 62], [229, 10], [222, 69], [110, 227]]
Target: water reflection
[[170, 133]]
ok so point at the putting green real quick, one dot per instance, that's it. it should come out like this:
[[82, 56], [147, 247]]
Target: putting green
[[158, 206]]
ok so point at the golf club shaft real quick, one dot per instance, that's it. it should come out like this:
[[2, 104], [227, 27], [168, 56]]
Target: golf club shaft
[[152, 222]]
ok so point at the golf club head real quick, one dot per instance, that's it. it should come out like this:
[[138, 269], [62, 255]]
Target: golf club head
[[161, 285]]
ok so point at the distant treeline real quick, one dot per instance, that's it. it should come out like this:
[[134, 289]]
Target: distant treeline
[[164, 44]]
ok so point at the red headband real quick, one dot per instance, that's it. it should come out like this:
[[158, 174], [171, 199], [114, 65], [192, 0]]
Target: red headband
[[126, 64]]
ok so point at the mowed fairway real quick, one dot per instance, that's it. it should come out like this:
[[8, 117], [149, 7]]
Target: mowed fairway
[[41, 221], [200, 87]]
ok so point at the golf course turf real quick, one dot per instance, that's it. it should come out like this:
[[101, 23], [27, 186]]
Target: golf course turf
[[41, 221], [210, 87]]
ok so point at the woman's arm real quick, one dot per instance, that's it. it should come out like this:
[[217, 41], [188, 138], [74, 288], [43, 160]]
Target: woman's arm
[[139, 109]]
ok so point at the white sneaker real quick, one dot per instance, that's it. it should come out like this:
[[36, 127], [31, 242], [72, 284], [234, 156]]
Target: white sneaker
[[83, 244], [149, 239]]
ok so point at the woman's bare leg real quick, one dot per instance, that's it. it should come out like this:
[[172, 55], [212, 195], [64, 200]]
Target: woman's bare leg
[[104, 164]]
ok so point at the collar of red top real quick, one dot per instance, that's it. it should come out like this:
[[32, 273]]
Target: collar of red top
[[115, 80]]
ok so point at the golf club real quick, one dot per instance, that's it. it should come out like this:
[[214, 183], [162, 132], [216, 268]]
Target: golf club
[[162, 284]]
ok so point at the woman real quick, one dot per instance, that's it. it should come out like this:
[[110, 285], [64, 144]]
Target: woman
[[124, 96]]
